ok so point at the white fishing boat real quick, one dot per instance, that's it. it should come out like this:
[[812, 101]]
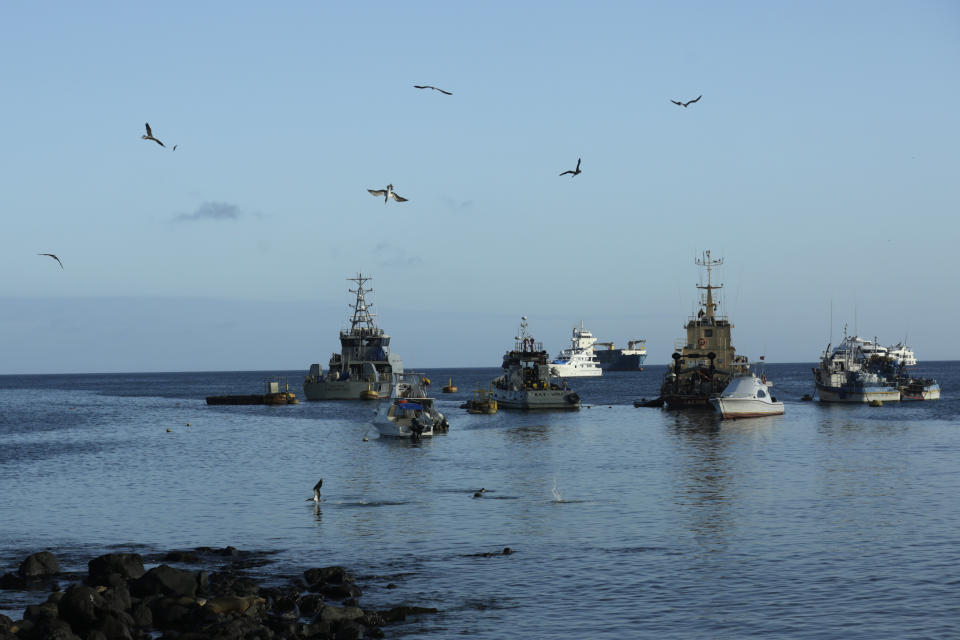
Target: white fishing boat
[[409, 413], [747, 396], [579, 360]]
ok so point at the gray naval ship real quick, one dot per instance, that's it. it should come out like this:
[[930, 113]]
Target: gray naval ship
[[364, 368], [526, 382]]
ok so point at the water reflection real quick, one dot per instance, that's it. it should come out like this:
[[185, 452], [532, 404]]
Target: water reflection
[[704, 474]]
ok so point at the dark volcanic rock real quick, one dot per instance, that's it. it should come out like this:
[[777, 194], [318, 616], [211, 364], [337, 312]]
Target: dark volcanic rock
[[39, 564], [186, 557], [399, 614], [80, 606], [326, 575], [311, 604], [12, 581], [165, 580], [128, 565], [47, 629], [340, 591]]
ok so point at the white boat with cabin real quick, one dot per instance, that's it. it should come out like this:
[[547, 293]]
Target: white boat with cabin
[[747, 396], [579, 360]]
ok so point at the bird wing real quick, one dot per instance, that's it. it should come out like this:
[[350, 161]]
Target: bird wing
[[578, 164], [159, 143], [149, 132], [52, 256], [445, 92], [377, 192], [677, 103], [396, 197], [698, 97], [422, 86], [317, 486], [566, 172]]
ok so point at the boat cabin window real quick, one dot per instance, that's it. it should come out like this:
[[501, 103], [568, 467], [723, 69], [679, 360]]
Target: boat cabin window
[[761, 393], [708, 333]]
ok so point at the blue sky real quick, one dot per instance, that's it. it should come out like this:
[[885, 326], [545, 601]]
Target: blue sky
[[821, 163]]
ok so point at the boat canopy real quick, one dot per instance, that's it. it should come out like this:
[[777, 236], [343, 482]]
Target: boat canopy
[[412, 406]]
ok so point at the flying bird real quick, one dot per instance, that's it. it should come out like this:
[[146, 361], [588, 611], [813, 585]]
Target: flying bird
[[175, 147], [149, 136], [316, 492], [386, 193], [52, 256], [573, 173], [688, 102], [427, 86]]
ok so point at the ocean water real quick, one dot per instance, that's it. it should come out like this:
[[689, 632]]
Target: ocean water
[[827, 522]]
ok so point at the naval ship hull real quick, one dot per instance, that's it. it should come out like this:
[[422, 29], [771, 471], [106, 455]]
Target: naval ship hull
[[536, 399], [344, 389]]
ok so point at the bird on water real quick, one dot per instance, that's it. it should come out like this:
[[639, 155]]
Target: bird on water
[[52, 256], [386, 193], [149, 136], [316, 492], [427, 86], [688, 102], [574, 171]]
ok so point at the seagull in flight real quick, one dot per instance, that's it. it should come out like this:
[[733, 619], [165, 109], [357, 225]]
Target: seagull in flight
[[688, 102], [386, 193], [573, 173], [427, 86], [316, 492], [149, 136], [52, 256]]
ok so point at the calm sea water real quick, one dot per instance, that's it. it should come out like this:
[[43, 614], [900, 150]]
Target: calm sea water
[[827, 522]]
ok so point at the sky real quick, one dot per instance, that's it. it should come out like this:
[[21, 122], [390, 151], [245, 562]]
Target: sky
[[821, 164]]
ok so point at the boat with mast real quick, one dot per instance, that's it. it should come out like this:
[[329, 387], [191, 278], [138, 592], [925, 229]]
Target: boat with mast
[[365, 366], [527, 382], [706, 361]]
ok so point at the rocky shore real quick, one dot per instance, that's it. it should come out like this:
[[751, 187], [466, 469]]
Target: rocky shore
[[119, 599]]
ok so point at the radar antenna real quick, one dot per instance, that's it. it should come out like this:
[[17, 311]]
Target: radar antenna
[[709, 306], [362, 318]]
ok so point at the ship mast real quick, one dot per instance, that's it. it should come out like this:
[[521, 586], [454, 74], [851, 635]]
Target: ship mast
[[362, 318], [708, 304]]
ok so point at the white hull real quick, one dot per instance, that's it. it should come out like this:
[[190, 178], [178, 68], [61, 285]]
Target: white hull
[[746, 407], [575, 370]]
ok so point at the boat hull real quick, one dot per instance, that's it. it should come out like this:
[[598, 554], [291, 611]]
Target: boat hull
[[928, 392], [343, 389], [857, 394], [617, 360], [536, 399], [732, 408], [570, 371]]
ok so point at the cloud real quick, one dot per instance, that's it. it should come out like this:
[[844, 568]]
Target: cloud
[[457, 206], [393, 256], [211, 211]]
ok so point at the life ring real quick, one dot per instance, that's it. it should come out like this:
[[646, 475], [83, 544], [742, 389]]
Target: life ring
[[702, 342]]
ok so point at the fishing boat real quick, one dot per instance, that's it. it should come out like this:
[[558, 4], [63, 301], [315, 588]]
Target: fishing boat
[[364, 367], [409, 412], [527, 382], [273, 395], [747, 396], [706, 361], [449, 387], [846, 375], [896, 365], [579, 359]]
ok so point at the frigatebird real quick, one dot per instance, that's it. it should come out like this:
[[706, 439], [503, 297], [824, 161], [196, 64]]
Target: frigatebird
[[386, 193], [149, 136], [574, 172], [688, 102], [427, 86]]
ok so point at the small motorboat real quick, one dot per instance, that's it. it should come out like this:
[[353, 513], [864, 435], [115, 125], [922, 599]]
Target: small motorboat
[[450, 387], [747, 396], [409, 413], [482, 402]]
